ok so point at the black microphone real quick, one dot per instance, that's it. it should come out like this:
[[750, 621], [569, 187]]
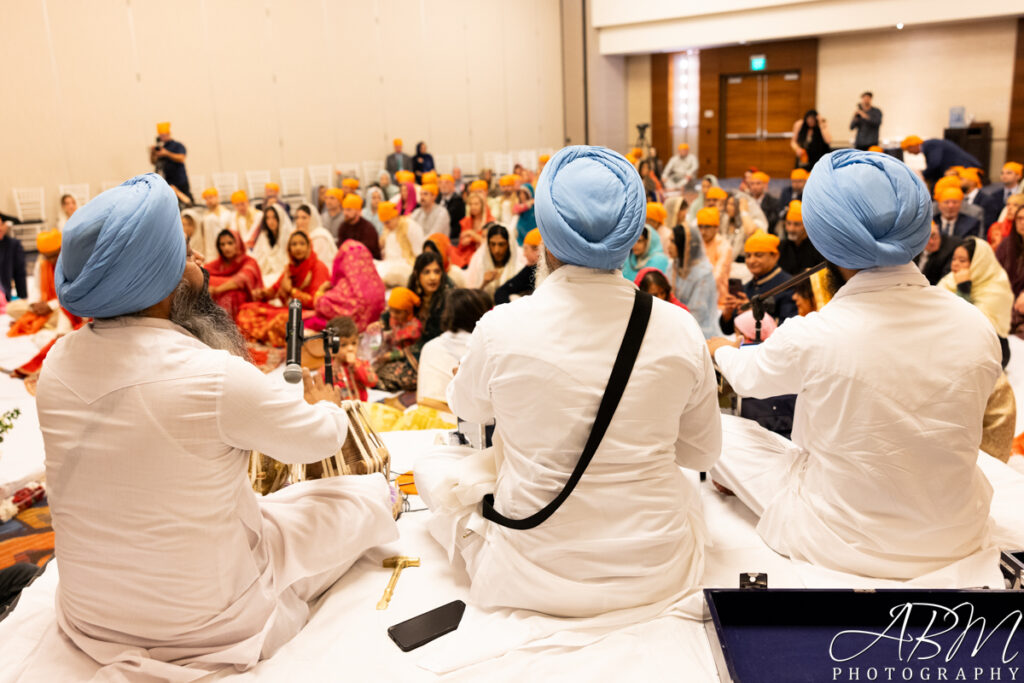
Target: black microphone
[[293, 359]]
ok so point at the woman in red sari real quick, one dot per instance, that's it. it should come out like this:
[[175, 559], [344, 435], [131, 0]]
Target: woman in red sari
[[355, 289], [235, 276], [472, 235], [263, 322]]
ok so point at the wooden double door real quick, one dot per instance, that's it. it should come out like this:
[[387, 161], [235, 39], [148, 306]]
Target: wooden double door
[[758, 112]]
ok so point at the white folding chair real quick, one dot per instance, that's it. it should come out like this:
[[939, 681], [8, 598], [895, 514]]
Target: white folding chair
[[466, 162], [322, 174], [490, 161], [26, 234], [256, 182], [444, 163], [293, 182], [371, 171], [29, 204], [528, 158], [503, 163], [198, 183], [226, 184], [346, 169], [80, 191]]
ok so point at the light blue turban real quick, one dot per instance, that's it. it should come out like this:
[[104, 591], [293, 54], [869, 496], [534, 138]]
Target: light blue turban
[[590, 207], [866, 210], [122, 252]]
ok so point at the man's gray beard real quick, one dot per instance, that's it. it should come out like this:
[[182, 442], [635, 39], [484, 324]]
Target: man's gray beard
[[196, 311], [542, 272]]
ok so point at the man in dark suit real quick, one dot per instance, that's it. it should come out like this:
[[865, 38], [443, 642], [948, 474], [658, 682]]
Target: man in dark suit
[[935, 260], [970, 183], [1009, 182], [951, 220], [758, 187], [939, 155], [397, 161], [797, 179]]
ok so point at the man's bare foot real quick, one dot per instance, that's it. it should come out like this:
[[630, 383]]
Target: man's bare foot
[[721, 489]]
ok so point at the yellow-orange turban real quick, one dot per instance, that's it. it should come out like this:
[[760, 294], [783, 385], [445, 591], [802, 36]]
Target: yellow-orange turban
[[272, 186], [970, 174], [429, 187], [709, 216], [533, 238], [428, 178], [910, 141], [951, 193], [350, 183], [336, 192], [397, 142], [683, 147], [239, 196], [544, 158], [761, 242], [48, 241], [478, 186], [405, 177], [352, 201], [1014, 167], [403, 299], [507, 180], [876, 148], [448, 176], [762, 176], [799, 174], [386, 211], [163, 128], [637, 152], [944, 183], [716, 193], [796, 211], [656, 212], [210, 192]]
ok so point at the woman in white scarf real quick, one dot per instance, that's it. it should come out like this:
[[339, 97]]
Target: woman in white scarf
[[307, 220], [401, 241], [374, 196], [271, 248], [495, 262]]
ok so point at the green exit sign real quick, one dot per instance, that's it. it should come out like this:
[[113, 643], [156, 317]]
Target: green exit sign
[[757, 62]]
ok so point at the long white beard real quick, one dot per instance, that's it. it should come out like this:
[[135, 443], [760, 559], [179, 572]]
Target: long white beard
[[542, 271]]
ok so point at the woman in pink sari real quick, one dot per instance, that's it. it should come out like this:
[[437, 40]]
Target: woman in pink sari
[[407, 199], [235, 276], [355, 289]]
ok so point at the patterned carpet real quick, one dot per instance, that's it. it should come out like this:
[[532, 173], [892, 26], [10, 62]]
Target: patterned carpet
[[28, 537]]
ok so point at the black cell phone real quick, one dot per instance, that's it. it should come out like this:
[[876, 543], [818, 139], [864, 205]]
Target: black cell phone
[[735, 286], [422, 629]]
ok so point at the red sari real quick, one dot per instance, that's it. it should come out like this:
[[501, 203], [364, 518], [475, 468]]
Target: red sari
[[242, 270], [262, 322], [29, 322], [356, 289], [460, 253]]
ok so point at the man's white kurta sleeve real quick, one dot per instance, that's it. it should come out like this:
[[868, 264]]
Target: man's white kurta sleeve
[[766, 370], [700, 427], [469, 394], [260, 413]]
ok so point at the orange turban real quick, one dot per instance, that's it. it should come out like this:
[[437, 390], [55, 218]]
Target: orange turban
[[239, 196], [796, 212], [350, 183], [429, 187], [683, 147], [637, 152], [544, 158], [970, 174], [876, 148], [163, 128], [951, 193], [48, 241], [403, 299], [386, 211], [478, 186], [716, 193], [448, 176], [405, 177], [272, 186], [656, 212], [429, 178], [210, 192], [352, 201], [396, 141], [762, 176], [761, 242], [709, 216], [910, 141], [507, 180], [1014, 167], [944, 183], [533, 238], [799, 174], [337, 193]]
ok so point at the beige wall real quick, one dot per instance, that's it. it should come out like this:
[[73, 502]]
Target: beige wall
[[919, 73], [638, 94], [265, 85]]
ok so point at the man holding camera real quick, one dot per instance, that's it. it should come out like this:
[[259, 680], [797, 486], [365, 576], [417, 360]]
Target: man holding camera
[[168, 158]]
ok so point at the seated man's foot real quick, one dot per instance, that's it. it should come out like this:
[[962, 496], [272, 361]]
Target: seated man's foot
[[721, 489]]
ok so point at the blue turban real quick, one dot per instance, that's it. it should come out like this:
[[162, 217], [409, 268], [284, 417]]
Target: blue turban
[[122, 252], [590, 207], [866, 210]]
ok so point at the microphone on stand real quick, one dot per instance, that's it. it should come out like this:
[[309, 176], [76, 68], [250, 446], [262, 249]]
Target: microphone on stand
[[293, 358]]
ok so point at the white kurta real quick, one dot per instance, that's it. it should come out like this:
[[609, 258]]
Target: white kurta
[[881, 477], [632, 531], [437, 220], [395, 270], [674, 177], [165, 552], [438, 358], [325, 245]]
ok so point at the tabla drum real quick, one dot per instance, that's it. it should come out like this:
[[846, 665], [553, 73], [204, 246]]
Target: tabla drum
[[362, 453]]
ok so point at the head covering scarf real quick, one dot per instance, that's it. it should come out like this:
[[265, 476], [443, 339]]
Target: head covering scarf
[[763, 242], [590, 206], [314, 216], [356, 289], [990, 286], [671, 297], [866, 210], [533, 238], [273, 258], [403, 299], [709, 216], [408, 204], [443, 245], [48, 241], [698, 203], [747, 326], [482, 261], [690, 247], [122, 252], [308, 274], [352, 201]]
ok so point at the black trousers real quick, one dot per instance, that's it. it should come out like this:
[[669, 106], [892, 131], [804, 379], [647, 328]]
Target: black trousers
[[12, 580]]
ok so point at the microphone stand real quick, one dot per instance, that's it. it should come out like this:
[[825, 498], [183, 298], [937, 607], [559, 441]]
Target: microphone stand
[[331, 344], [756, 303]]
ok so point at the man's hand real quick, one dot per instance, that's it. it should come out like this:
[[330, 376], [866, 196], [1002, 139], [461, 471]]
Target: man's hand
[[40, 308], [315, 390], [730, 303], [716, 343], [490, 275]]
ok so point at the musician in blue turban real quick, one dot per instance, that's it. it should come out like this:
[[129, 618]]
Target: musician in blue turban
[[149, 414], [892, 377], [628, 535]]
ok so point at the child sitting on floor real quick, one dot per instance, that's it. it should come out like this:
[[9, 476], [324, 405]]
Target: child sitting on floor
[[351, 374], [396, 366]]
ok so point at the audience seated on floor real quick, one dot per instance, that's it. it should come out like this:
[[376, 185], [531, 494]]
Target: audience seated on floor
[[761, 256], [694, 277], [401, 241], [494, 263], [245, 220], [524, 282]]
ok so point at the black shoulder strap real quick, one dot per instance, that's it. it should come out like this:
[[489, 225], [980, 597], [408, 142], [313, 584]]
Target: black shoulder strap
[[621, 371]]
